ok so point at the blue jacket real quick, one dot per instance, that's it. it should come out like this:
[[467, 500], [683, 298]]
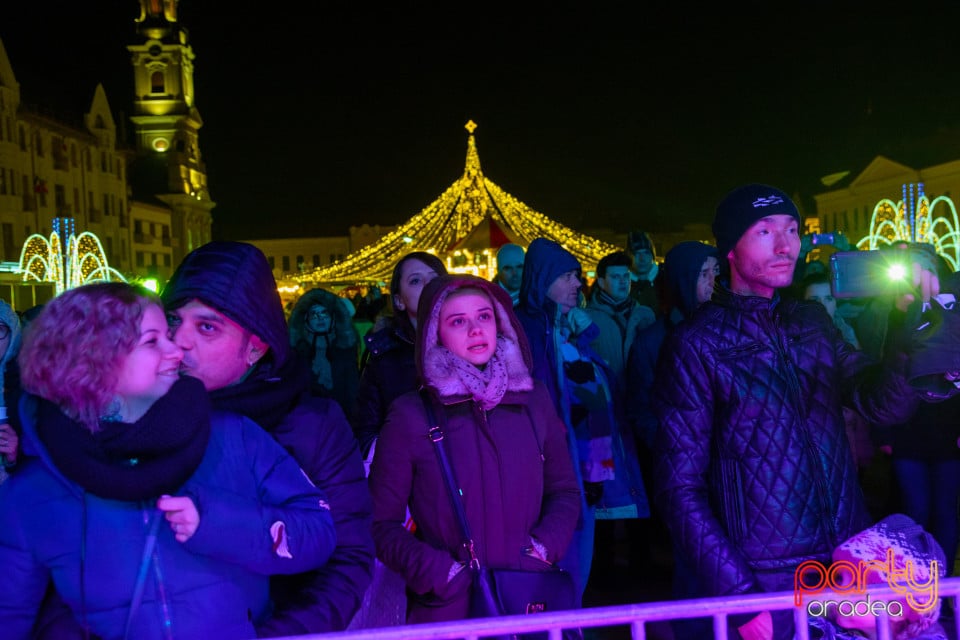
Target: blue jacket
[[214, 585]]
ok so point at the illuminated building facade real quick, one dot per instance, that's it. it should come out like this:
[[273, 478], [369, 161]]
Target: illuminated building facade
[[148, 205], [168, 165], [51, 169], [876, 204]]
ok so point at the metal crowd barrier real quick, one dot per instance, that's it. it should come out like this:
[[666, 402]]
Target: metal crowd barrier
[[636, 616]]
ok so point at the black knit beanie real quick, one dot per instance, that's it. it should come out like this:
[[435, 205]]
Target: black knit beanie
[[742, 207]]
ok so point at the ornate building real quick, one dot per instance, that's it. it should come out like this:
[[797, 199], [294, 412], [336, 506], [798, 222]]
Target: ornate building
[[168, 165], [149, 204]]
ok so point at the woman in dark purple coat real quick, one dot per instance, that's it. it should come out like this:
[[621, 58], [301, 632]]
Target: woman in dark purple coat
[[506, 445]]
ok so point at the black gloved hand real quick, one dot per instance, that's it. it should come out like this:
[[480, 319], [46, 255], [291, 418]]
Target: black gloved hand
[[593, 491], [933, 346]]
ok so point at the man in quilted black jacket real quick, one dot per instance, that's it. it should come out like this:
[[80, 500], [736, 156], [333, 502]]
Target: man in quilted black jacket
[[754, 472]]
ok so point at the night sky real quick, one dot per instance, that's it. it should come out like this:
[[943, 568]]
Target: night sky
[[319, 115]]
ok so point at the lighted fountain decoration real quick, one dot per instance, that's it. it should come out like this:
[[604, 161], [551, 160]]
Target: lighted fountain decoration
[[83, 261], [912, 220]]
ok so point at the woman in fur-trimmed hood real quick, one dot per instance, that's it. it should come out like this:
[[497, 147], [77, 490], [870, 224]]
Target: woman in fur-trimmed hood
[[322, 331], [505, 443]]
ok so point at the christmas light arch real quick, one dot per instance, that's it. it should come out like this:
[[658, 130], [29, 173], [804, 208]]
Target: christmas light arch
[[912, 219], [82, 262], [442, 226]]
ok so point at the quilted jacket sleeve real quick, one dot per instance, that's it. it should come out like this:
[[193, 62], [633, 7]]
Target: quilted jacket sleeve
[[684, 404], [286, 528]]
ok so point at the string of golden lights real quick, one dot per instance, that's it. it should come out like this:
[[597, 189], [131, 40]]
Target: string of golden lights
[[448, 220]]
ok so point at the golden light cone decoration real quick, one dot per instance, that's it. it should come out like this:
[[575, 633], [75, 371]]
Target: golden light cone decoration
[[449, 219]]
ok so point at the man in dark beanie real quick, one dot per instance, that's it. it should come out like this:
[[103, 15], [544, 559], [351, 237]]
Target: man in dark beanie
[[753, 468], [225, 313]]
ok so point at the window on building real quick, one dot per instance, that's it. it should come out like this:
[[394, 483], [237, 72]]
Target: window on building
[[23, 140], [316, 261], [138, 226], [139, 258], [60, 198], [9, 249], [286, 264], [103, 161], [58, 149], [333, 258], [156, 82], [106, 204], [90, 201], [300, 263], [38, 144], [166, 259], [271, 262], [3, 182]]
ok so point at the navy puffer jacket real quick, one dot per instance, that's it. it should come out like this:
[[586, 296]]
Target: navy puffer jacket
[[754, 472]]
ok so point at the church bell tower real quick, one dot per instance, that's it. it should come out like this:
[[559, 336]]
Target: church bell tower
[[166, 124]]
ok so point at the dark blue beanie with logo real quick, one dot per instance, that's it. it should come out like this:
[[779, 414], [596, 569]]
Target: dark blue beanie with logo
[[742, 207]]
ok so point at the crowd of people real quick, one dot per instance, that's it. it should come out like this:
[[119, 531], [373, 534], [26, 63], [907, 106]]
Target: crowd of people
[[199, 464]]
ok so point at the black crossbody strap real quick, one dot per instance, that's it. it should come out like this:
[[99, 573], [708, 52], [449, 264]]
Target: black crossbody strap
[[435, 432]]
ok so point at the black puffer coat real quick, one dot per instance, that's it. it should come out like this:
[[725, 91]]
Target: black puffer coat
[[754, 472]]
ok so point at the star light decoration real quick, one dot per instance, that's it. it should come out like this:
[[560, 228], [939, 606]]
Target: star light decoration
[[912, 220], [83, 262], [449, 219]]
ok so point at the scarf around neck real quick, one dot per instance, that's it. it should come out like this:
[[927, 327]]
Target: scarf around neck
[[132, 461], [621, 307], [486, 386], [268, 394]]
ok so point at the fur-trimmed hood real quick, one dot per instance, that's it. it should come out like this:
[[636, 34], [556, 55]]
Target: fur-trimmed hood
[[345, 335], [432, 358]]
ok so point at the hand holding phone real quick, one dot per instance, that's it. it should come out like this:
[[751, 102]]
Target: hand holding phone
[[865, 274]]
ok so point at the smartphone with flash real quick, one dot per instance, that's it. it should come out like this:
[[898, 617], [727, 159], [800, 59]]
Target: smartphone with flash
[[865, 274]]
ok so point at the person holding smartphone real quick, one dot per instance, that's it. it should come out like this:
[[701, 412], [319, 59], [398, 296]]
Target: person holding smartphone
[[754, 471]]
